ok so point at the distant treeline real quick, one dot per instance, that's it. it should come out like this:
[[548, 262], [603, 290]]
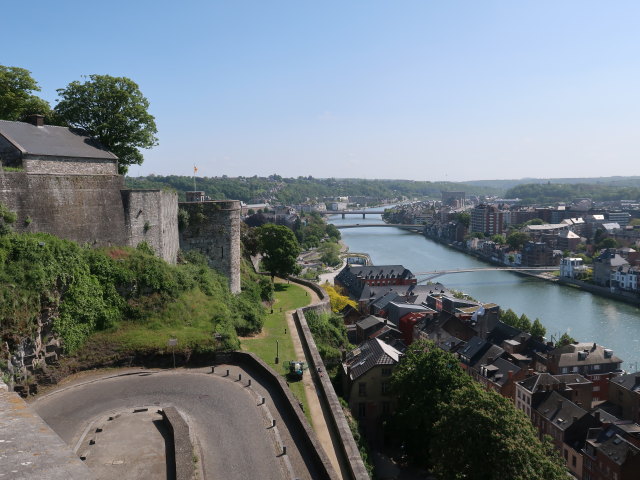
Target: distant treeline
[[554, 193], [506, 184], [298, 190]]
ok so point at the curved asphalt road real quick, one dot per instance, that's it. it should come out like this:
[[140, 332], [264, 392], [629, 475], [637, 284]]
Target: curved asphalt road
[[229, 425]]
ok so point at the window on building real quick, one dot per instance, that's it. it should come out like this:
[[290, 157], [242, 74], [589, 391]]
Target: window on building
[[385, 388], [596, 367], [362, 409], [362, 389], [386, 372], [386, 408], [573, 460], [596, 388], [566, 454]]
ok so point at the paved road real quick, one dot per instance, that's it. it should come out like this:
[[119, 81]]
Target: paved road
[[224, 415]]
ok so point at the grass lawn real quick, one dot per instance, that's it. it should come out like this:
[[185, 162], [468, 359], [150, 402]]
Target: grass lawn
[[188, 319], [287, 297]]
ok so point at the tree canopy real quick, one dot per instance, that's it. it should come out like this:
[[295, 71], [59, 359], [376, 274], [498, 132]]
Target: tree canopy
[[461, 431], [279, 248], [16, 94], [481, 436], [113, 110]]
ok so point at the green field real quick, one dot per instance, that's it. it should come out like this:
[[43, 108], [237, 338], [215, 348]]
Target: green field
[[287, 297]]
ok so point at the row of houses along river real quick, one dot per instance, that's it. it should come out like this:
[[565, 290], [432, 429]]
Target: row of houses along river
[[587, 317]]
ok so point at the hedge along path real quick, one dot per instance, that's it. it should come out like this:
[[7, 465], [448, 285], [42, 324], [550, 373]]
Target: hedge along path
[[318, 419], [288, 297]]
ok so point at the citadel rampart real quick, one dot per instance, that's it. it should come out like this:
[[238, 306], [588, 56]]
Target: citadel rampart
[[92, 209], [213, 229]]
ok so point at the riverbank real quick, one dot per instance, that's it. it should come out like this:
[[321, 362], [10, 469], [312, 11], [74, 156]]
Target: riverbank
[[587, 287]]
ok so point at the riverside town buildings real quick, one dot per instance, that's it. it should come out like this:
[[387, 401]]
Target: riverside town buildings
[[576, 393]]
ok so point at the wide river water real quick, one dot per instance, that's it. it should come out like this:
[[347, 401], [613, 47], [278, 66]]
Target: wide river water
[[587, 317]]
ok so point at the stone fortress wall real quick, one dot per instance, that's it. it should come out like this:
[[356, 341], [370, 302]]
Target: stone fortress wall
[[152, 216], [98, 210], [213, 229]]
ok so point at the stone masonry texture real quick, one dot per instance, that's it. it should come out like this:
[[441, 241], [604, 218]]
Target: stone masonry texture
[[214, 231]]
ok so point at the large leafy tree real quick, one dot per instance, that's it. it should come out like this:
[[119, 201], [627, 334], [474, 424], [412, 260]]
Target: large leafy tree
[[279, 248], [16, 94], [113, 110], [423, 383], [481, 436]]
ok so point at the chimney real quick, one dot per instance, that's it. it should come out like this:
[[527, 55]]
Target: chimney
[[35, 119], [596, 415], [559, 404], [510, 374]]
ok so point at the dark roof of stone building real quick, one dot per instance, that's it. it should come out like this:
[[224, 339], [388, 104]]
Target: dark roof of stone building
[[584, 354], [611, 443], [51, 140], [369, 354], [535, 382], [560, 411], [630, 381]]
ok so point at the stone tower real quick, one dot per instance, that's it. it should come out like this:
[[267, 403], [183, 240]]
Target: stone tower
[[213, 229]]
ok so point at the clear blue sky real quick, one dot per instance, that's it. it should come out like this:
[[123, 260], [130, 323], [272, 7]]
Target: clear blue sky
[[424, 90]]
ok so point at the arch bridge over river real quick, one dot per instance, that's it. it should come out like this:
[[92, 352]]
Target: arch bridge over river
[[403, 226], [437, 273]]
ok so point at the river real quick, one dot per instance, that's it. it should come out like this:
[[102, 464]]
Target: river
[[587, 317]]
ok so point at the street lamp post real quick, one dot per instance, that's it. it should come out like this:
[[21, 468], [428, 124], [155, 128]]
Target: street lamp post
[[277, 352]]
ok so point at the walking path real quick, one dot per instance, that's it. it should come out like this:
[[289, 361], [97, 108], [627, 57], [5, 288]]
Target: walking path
[[318, 417]]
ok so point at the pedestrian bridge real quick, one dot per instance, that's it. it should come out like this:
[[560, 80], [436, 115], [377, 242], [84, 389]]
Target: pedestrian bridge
[[350, 212], [413, 228], [437, 273]]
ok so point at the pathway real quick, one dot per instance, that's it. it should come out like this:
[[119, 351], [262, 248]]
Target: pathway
[[318, 416]]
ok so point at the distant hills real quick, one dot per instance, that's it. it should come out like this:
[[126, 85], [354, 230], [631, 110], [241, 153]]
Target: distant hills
[[297, 190], [617, 181]]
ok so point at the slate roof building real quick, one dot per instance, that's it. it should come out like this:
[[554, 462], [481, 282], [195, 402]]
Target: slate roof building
[[354, 278], [624, 391], [37, 148], [366, 375], [612, 452], [594, 362]]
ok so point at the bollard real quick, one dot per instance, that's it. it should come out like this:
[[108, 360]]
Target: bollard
[[273, 423], [239, 376], [249, 384], [262, 401], [284, 449], [227, 372], [213, 369]]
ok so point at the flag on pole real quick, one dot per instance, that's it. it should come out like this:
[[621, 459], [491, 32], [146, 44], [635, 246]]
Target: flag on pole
[[195, 169]]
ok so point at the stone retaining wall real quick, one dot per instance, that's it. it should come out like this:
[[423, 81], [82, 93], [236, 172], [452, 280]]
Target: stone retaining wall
[[350, 452], [280, 388], [183, 450]]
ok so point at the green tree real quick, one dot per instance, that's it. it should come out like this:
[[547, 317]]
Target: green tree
[[516, 240], [16, 94], [524, 323], [481, 436], [565, 339], [113, 110], [280, 249], [423, 383], [537, 329], [607, 243], [464, 218], [498, 238], [510, 318], [330, 253]]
